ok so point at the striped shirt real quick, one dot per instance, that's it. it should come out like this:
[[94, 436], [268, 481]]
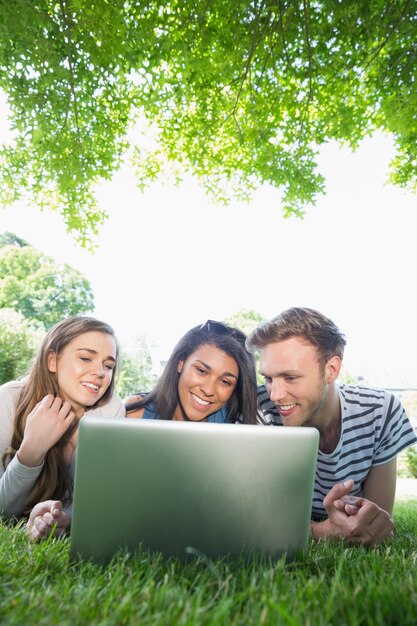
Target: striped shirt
[[375, 428]]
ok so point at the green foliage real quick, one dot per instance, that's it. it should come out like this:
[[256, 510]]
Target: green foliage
[[409, 402], [237, 93], [348, 378], [135, 374], [43, 291], [10, 239], [411, 458], [19, 341], [247, 321], [331, 584]]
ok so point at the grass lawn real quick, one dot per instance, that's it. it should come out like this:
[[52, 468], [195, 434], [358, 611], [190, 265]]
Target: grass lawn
[[332, 584]]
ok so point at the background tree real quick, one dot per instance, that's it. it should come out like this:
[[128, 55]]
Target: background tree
[[247, 320], [18, 343], [136, 369], [39, 288], [10, 239], [238, 92]]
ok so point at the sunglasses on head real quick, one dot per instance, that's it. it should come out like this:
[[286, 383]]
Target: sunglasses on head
[[218, 328]]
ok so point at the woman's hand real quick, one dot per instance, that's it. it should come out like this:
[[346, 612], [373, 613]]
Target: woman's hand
[[47, 517], [45, 425]]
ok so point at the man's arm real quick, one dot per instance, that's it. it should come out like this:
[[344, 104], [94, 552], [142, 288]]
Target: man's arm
[[379, 486]]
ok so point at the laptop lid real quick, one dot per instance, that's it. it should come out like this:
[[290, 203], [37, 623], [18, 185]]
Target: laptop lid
[[182, 488]]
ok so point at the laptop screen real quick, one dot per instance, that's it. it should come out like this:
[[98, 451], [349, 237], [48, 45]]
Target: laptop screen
[[183, 489]]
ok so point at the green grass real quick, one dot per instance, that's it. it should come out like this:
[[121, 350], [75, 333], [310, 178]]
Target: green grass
[[332, 584]]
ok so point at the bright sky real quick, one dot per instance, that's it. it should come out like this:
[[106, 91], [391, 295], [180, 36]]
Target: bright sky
[[168, 259]]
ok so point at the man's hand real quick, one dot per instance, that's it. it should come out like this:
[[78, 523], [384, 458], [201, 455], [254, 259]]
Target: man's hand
[[47, 517], [358, 520]]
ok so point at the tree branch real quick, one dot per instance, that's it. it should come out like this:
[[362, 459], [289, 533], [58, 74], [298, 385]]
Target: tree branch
[[68, 30], [310, 61], [383, 43], [249, 58]]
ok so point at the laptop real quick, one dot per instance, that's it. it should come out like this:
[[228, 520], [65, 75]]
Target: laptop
[[185, 490]]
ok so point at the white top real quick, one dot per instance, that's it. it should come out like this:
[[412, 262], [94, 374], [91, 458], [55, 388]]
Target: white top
[[17, 480]]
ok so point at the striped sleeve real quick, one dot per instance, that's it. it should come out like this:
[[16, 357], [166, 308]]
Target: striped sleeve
[[268, 414], [396, 432]]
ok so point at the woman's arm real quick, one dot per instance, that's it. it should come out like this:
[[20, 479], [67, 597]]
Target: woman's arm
[[45, 425], [16, 480], [16, 483], [138, 413]]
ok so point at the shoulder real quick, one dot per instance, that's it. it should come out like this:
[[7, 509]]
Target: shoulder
[[12, 388], [371, 397], [148, 412], [113, 408], [362, 396], [380, 407], [131, 400], [9, 393]]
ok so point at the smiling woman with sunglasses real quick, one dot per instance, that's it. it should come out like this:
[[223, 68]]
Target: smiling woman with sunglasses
[[209, 377]]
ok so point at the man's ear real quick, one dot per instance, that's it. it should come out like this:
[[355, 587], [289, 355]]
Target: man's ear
[[179, 366], [332, 369], [52, 361]]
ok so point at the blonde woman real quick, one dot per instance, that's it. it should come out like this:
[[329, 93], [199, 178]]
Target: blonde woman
[[72, 376]]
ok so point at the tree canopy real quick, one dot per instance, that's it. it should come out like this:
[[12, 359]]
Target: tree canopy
[[43, 291], [246, 320], [10, 239], [19, 340], [237, 92]]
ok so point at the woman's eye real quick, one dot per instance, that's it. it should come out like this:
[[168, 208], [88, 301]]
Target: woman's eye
[[85, 358], [109, 367], [226, 382], [200, 370]]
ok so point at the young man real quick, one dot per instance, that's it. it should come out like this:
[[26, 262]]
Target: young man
[[361, 429]]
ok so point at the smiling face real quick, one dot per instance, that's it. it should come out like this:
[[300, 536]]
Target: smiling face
[[296, 381], [207, 380], [84, 369]]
